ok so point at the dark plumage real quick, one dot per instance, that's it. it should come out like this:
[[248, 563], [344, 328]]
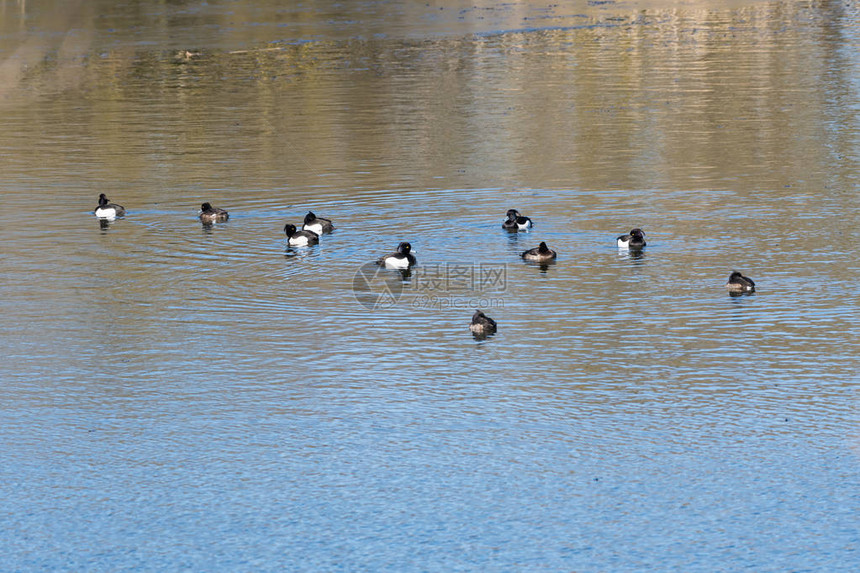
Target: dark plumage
[[108, 210], [401, 259], [317, 224], [540, 254], [296, 238], [209, 214], [482, 324], [739, 283], [516, 222], [635, 239]]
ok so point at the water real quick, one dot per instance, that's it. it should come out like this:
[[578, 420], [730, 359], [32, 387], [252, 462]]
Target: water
[[176, 397]]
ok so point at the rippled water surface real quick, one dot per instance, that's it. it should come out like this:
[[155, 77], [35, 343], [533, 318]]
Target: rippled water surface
[[177, 397]]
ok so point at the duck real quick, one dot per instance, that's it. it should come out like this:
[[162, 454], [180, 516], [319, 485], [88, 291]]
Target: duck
[[108, 210], [296, 238], [740, 283], [185, 56], [540, 254], [317, 224], [482, 324], [400, 259], [209, 214], [516, 222], [635, 239]]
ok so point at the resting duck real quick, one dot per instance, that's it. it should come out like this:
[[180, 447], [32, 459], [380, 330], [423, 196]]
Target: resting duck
[[317, 224], [209, 214], [482, 325], [540, 254], [739, 283]]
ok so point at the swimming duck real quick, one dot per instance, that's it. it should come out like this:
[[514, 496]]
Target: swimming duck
[[296, 238], [482, 324], [185, 56], [209, 214], [739, 283], [635, 239], [317, 224], [516, 222], [401, 259], [540, 254], [108, 210]]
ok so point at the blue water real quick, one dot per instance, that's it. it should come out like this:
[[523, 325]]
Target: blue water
[[182, 398]]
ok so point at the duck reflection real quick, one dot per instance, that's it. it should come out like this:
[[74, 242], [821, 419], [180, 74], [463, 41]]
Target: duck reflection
[[636, 256], [740, 294]]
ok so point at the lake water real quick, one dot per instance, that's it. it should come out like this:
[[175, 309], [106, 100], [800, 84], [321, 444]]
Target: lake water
[[176, 397]]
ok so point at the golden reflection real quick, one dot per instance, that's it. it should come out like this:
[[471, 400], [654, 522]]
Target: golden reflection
[[618, 96]]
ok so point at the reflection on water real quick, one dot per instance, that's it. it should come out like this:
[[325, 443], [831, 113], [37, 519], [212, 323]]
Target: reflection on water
[[170, 388]]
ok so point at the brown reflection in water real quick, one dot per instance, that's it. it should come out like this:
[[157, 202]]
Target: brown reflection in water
[[609, 98]]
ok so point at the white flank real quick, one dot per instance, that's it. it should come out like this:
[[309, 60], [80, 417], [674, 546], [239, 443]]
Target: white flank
[[396, 262], [106, 213], [316, 228]]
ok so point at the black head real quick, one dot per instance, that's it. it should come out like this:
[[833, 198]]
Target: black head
[[542, 248], [205, 207], [310, 217], [290, 229], [738, 277], [486, 324], [637, 233], [513, 214], [404, 248], [102, 200]]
